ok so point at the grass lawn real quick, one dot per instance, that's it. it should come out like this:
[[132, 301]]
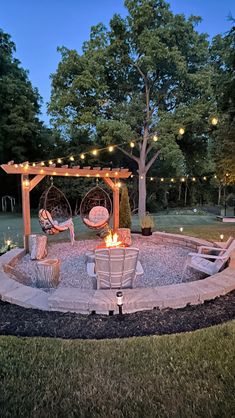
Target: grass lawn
[[184, 375], [202, 226]]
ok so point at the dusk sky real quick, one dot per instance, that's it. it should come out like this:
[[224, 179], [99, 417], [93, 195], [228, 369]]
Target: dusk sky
[[38, 27]]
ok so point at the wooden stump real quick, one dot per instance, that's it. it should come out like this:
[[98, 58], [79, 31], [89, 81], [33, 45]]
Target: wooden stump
[[37, 246], [48, 273], [124, 235]]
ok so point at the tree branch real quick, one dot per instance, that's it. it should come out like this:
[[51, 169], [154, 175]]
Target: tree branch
[[133, 157], [153, 159]]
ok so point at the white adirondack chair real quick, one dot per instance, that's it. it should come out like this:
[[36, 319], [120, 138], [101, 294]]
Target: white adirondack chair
[[115, 268], [205, 249], [203, 262]]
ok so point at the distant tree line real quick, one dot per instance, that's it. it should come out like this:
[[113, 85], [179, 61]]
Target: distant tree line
[[139, 80]]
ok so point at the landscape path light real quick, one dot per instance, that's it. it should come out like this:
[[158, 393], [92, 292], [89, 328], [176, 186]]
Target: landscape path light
[[119, 297]]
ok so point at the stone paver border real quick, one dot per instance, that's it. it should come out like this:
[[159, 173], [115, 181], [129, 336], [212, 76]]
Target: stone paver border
[[104, 301]]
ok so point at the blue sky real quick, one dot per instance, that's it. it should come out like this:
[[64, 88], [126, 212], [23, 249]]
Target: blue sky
[[38, 27]]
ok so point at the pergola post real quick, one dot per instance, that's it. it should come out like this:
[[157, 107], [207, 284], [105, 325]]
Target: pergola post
[[25, 184]]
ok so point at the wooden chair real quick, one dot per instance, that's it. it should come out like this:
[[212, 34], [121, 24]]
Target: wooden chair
[[115, 268], [203, 262]]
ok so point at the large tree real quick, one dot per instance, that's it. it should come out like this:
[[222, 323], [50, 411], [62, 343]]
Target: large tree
[[223, 60], [22, 135], [139, 80]]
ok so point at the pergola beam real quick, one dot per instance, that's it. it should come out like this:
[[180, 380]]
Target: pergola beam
[[35, 181], [66, 172]]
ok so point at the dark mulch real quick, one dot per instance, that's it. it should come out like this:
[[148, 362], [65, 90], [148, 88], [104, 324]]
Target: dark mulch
[[15, 320]]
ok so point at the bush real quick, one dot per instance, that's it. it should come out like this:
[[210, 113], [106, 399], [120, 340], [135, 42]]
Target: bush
[[125, 209]]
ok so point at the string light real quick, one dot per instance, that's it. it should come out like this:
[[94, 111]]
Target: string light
[[193, 179], [162, 179], [119, 184], [204, 178], [172, 180], [34, 164], [151, 178], [214, 121], [71, 158], [82, 156], [42, 163], [141, 177], [111, 148], [132, 144], [183, 179], [94, 152], [50, 162], [59, 161], [181, 131], [215, 176], [155, 138], [26, 182]]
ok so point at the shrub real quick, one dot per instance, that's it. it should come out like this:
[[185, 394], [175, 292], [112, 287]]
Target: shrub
[[125, 209]]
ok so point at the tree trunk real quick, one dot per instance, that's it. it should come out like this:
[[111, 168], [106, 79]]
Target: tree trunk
[[48, 273], [142, 193], [185, 194], [219, 194], [37, 246]]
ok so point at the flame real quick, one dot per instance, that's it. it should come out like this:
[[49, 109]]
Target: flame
[[112, 240]]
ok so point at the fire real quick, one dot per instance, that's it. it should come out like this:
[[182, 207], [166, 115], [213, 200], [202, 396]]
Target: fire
[[112, 240]]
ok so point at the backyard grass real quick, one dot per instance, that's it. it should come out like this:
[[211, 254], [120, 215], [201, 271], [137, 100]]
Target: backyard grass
[[184, 375], [202, 226]]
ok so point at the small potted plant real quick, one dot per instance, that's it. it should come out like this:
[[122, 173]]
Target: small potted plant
[[147, 223]]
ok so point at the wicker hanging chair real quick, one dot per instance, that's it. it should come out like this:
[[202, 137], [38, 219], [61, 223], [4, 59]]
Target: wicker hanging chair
[[55, 214], [96, 208]]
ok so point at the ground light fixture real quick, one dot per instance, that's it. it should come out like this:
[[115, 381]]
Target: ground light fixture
[[119, 297]]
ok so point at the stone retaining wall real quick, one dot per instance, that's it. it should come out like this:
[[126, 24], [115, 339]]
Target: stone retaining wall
[[104, 301]]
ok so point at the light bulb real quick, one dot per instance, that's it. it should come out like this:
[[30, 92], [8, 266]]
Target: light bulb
[[50, 162], [119, 184], [181, 131], [183, 179], [155, 138], [82, 156], [204, 178], [194, 179], [151, 178], [132, 144], [59, 161], [94, 152], [42, 163], [172, 180], [71, 158], [214, 121], [162, 179], [111, 147]]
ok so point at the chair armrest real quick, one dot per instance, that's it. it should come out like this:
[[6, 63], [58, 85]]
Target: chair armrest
[[139, 268], [204, 247], [90, 267], [208, 256]]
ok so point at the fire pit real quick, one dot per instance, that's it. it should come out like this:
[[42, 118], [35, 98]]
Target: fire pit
[[111, 241]]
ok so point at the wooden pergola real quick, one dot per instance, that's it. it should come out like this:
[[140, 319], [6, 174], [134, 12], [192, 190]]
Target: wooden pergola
[[39, 172]]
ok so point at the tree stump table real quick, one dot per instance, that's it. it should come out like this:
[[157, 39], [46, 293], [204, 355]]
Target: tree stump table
[[124, 235], [48, 273], [37, 246]]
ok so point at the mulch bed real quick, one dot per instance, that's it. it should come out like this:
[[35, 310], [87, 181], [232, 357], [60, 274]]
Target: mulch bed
[[18, 321]]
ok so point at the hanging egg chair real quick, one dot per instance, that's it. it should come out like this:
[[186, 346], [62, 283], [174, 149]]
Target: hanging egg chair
[[55, 214], [96, 208]]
